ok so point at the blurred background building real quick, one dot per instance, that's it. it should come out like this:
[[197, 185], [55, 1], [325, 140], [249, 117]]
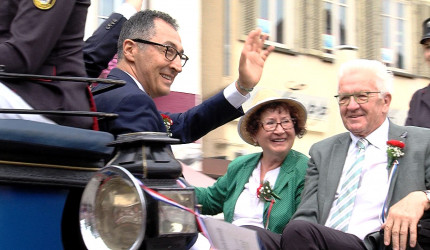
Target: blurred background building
[[312, 38]]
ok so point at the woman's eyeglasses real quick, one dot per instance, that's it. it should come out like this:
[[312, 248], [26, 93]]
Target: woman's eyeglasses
[[271, 125]]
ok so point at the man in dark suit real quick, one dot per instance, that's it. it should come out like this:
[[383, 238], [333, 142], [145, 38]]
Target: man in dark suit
[[391, 196], [44, 38], [419, 106], [150, 55]]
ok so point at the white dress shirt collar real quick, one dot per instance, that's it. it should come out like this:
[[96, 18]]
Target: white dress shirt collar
[[136, 82], [377, 138]]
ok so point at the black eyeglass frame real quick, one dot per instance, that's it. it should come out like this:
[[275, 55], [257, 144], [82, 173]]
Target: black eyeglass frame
[[293, 122], [355, 96], [182, 56]]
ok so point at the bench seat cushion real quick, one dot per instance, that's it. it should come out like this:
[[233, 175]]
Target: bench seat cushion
[[48, 149]]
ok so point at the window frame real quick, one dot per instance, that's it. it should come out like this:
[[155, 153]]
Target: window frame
[[288, 25], [331, 41], [390, 45]]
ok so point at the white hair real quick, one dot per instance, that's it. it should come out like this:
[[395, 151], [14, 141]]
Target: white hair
[[384, 77]]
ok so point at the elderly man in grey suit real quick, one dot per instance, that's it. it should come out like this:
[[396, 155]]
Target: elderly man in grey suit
[[351, 192]]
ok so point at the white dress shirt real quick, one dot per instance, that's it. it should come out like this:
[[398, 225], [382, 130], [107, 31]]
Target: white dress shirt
[[373, 187], [10, 100], [249, 208]]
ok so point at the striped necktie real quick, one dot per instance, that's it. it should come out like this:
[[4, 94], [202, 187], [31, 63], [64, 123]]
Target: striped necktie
[[345, 203]]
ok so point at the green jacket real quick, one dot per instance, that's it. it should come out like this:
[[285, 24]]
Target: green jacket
[[222, 196]]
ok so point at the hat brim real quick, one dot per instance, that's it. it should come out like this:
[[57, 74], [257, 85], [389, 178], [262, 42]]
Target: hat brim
[[423, 40], [241, 127]]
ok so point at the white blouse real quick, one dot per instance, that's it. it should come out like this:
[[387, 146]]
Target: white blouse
[[249, 209]]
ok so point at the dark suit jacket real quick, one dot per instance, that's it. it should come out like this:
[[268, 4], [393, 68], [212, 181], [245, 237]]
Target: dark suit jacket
[[419, 109], [46, 42], [137, 112], [100, 48], [328, 158]]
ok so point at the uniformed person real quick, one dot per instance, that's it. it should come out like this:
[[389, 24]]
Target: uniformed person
[[419, 107], [44, 37]]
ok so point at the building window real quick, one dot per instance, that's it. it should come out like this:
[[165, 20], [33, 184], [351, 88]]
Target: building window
[[393, 40], [336, 22], [106, 7], [275, 17]]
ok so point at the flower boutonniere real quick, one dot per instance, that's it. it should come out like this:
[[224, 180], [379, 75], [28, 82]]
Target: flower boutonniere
[[394, 151], [168, 123], [265, 192]]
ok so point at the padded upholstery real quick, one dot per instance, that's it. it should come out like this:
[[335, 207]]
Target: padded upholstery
[[33, 150]]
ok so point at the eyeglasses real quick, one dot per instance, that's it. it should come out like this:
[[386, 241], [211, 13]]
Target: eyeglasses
[[170, 53], [271, 125], [360, 97]]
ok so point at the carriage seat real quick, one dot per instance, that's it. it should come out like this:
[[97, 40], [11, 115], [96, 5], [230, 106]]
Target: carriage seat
[[39, 153]]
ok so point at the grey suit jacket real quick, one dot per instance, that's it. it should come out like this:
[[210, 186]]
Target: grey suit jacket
[[327, 160]]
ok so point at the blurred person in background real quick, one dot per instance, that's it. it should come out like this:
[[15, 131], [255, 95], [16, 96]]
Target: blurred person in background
[[242, 193], [419, 106]]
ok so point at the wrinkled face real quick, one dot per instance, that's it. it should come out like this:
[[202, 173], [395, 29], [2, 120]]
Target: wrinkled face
[[363, 119], [152, 69], [280, 141]]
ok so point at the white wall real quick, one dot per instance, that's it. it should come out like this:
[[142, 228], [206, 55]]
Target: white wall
[[187, 14]]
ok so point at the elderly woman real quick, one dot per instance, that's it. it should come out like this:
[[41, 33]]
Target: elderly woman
[[262, 190]]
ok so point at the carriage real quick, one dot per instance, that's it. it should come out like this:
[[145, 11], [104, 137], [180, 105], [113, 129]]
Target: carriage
[[69, 188]]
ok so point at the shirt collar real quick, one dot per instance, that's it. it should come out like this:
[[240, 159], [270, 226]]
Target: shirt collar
[[377, 138], [136, 82]]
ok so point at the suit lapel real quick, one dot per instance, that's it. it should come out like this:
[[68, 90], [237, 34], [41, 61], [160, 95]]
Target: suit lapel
[[245, 172], [395, 133], [334, 173], [131, 87], [284, 172]]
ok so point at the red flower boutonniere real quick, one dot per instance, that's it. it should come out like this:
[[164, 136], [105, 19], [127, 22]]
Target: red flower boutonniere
[[394, 151], [265, 192], [168, 123]]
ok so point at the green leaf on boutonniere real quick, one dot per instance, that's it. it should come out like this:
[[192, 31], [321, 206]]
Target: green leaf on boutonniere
[[394, 151], [168, 123], [265, 192]]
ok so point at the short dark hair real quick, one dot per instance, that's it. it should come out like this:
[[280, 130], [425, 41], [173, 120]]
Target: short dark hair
[[254, 121], [141, 25]]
